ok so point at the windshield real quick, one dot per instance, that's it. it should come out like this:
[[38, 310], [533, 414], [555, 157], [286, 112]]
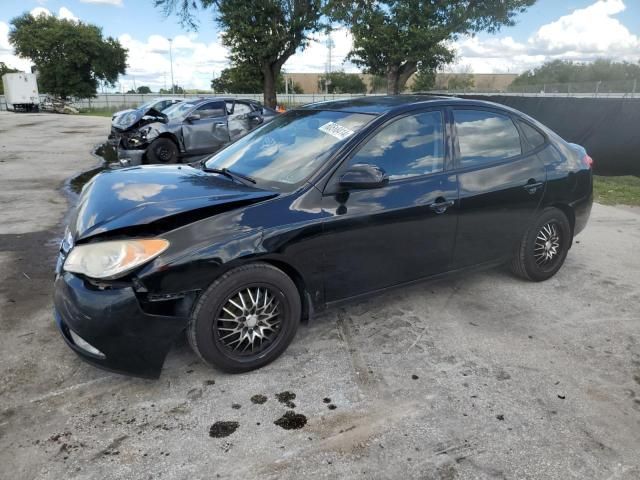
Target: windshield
[[179, 110], [291, 147], [148, 104]]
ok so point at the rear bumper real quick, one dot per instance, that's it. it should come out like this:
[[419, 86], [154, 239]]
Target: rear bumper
[[133, 342]]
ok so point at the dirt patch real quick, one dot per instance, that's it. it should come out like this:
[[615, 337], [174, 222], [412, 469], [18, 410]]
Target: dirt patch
[[223, 429], [286, 398], [258, 399], [291, 421]]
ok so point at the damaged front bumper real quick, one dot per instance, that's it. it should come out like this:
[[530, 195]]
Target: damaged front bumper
[[109, 329], [130, 157]]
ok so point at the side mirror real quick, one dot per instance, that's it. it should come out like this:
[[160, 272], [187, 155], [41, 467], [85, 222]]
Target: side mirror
[[193, 117], [364, 175]]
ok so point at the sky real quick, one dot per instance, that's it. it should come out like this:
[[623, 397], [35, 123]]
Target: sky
[[580, 30]]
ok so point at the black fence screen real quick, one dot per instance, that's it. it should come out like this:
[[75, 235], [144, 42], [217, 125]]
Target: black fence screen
[[609, 128]]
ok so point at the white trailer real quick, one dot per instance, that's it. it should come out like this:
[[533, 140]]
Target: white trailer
[[21, 92]]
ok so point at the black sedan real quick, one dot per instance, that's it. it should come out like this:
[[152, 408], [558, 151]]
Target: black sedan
[[326, 203], [186, 130]]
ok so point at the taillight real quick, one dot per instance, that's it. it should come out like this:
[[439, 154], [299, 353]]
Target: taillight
[[587, 160]]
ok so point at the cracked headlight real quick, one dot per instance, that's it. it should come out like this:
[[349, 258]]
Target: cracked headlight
[[113, 259]]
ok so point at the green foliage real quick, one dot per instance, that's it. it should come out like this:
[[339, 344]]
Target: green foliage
[[460, 81], [341, 82], [242, 79], [264, 33], [177, 89], [4, 69], [424, 80], [393, 37], [143, 89], [378, 84], [71, 57], [564, 71]]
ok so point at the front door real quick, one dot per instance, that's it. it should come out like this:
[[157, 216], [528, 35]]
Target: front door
[[376, 238], [205, 130], [501, 185]]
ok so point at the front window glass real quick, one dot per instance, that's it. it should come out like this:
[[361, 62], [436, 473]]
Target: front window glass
[[485, 137], [212, 109], [410, 146], [291, 147], [179, 110]]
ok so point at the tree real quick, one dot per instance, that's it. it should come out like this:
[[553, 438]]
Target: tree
[[341, 82], [378, 84], [4, 69], [177, 89], [564, 71], [264, 33], [131, 91], [424, 80], [393, 37], [72, 57], [142, 89]]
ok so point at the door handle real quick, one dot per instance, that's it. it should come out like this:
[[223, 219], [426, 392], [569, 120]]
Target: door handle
[[532, 186], [441, 205], [217, 124]]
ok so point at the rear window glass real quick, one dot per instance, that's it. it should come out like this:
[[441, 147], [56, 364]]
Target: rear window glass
[[485, 137], [533, 137]]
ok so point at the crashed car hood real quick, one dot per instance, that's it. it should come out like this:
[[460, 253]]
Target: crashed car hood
[[116, 199], [128, 119]]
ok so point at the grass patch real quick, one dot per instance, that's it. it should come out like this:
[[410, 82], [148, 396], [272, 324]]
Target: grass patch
[[616, 190], [97, 112]]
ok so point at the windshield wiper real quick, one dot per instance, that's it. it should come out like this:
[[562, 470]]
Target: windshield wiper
[[228, 173]]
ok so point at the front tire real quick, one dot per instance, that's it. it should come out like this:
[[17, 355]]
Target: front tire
[[543, 247], [245, 319], [162, 150]]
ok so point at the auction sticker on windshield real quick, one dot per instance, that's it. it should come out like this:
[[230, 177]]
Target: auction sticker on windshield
[[335, 130]]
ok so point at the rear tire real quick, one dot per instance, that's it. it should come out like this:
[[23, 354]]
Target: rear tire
[[246, 319], [162, 150], [543, 248]]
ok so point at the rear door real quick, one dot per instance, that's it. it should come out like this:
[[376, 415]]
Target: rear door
[[209, 132], [501, 185], [242, 120], [405, 230]]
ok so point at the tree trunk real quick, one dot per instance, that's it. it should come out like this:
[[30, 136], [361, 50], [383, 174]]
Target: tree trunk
[[269, 87], [407, 69], [398, 75], [392, 79]]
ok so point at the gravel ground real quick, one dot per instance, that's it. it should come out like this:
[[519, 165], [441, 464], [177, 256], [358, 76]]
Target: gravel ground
[[477, 376]]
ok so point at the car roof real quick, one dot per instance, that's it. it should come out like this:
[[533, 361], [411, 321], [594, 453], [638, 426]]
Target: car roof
[[197, 101], [382, 104]]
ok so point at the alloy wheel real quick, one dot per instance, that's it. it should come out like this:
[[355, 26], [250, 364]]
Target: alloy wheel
[[249, 321], [547, 245]]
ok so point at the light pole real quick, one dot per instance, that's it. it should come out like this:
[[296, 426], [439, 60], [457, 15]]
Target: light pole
[[173, 88]]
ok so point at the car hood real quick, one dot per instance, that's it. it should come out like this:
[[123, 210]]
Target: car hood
[[132, 118], [144, 196]]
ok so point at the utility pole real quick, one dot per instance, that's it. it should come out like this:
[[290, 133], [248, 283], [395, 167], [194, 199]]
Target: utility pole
[[173, 87]]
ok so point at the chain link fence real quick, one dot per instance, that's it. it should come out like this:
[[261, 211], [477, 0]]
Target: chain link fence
[[112, 102]]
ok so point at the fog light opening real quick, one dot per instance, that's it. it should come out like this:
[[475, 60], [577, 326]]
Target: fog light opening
[[84, 345]]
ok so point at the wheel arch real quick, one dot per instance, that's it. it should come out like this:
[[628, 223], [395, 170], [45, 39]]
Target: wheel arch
[[171, 137], [298, 280], [570, 214], [289, 270]]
